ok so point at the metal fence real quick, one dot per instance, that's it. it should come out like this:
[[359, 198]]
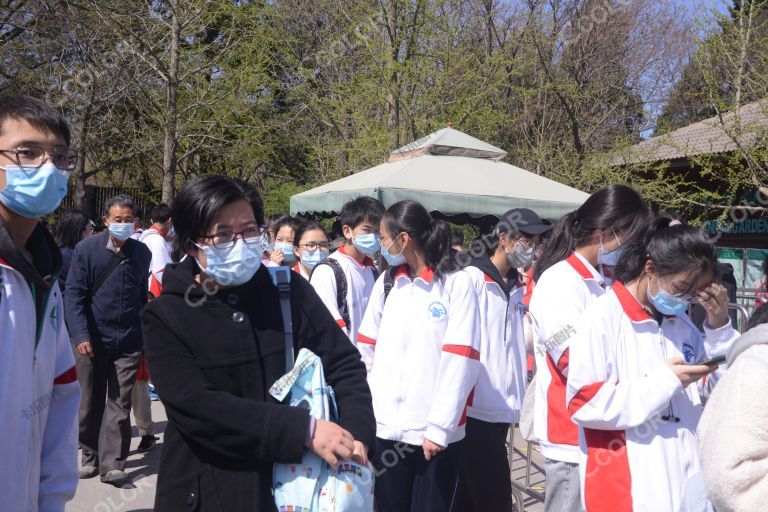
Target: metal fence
[[96, 196]]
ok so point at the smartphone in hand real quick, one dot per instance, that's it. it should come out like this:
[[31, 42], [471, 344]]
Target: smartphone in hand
[[711, 361]]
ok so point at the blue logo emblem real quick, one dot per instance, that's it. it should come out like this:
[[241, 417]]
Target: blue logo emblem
[[688, 353], [437, 311]]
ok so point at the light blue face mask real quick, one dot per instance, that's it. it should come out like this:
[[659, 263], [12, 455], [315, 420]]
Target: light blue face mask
[[34, 191], [666, 303], [367, 243], [287, 249], [235, 266], [122, 230], [311, 259], [394, 260]]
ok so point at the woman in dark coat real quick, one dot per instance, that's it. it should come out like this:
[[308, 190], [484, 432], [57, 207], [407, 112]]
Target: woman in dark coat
[[214, 342]]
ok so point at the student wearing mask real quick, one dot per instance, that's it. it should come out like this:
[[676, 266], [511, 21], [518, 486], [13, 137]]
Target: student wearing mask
[[484, 473], [632, 362], [285, 233], [420, 343], [577, 263], [311, 247], [39, 393], [351, 268], [215, 344]]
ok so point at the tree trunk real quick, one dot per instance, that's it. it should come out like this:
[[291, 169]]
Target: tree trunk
[[393, 98], [80, 174], [170, 135]]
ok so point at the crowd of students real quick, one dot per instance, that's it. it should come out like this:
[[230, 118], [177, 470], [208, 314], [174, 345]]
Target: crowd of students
[[425, 348]]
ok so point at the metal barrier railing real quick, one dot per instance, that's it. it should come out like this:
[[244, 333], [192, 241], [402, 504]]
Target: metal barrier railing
[[519, 490]]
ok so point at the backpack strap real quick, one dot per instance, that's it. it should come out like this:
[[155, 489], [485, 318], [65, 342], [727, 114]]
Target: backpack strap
[[389, 282], [341, 288], [114, 262], [281, 277]]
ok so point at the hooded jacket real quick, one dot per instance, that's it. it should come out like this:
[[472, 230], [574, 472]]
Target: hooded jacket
[[213, 357], [39, 392], [733, 431], [498, 394]]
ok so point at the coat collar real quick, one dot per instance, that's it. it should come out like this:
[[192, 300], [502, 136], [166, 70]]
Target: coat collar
[[427, 275]]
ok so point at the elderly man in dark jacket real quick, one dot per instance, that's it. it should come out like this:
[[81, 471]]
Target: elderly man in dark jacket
[[105, 292]]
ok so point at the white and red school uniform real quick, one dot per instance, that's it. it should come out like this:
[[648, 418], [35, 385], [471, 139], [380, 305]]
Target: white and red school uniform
[[421, 349], [39, 399], [561, 295], [498, 395], [360, 281], [161, 256], [619, 387]]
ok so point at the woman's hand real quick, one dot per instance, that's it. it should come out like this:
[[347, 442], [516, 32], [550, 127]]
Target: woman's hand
[[332, 443], [361, 454], [714, 300], [431, 449], [689, 373], [277, 257]]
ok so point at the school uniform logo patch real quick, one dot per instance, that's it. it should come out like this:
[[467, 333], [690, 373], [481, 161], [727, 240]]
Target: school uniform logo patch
[[437, 311]]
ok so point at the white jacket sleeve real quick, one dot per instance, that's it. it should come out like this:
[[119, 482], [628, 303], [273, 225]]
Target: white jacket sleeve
[[459, 361], [369, 328], [58, 464], [733, 435], [596, 397], [718, 341], [323, 281], [161, 256]]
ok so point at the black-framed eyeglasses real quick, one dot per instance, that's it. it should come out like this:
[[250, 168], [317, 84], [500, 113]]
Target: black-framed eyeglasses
[[34, 156], [227, 239], [313, 246]]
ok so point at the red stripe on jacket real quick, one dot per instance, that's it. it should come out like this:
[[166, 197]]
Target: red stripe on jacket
[[608, 482], [361, 338], [66, 377], [462, 350], [585, 394], [560, 428]]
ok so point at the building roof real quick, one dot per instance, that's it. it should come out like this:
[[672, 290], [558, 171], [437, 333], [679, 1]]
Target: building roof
[[710, 136]]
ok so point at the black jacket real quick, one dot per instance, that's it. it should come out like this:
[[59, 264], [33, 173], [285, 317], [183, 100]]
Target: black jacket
[[110, 320], [213, 359]]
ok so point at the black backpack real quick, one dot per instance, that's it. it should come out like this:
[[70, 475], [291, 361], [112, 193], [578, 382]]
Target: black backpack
[[341, 285]]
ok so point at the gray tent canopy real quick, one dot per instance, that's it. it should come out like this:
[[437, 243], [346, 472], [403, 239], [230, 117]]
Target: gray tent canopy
[[455, 176]]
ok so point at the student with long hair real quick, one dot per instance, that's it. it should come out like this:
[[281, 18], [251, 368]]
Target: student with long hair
[[311, 246], [215, 344], [577, 261], [420, 343], [633, 360]]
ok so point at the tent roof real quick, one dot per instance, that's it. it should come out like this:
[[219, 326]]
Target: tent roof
[[461, 187], [448, 142]]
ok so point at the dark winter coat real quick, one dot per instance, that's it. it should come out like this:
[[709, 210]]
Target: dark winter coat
[[213, 359]]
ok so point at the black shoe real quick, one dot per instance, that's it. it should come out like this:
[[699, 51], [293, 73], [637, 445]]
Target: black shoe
[[88, 472], [147, 442], [115, 477]]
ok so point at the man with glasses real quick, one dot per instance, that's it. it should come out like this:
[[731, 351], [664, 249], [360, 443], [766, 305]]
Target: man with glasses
[[39, 393], [107, 287]]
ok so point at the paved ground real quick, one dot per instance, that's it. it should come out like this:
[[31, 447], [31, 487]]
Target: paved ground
[[94, 496]]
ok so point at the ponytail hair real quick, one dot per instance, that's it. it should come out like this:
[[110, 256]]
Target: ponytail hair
[[673, 249], [616, 207], [432, 236]]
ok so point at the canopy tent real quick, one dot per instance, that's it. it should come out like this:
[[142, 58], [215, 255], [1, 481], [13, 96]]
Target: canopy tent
[[455, 176]]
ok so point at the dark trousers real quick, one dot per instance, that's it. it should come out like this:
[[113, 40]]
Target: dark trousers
[[106, 381], [484, 478], [405, 481]]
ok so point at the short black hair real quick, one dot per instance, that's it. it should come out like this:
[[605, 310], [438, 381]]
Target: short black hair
[[360, 209], [198, 202], [160, 213], [760, 316], [120, 200], [272, 220], [36, 112], [289, 221], [253, 196], [309, 225], [69, 230], [457, 237]]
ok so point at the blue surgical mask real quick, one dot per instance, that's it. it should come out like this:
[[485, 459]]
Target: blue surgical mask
[[233, 266], [609, 258], [122, 230], [311, 259], [287, 249], [394, 260], [666, 303], [34, 191], [367, 243]]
